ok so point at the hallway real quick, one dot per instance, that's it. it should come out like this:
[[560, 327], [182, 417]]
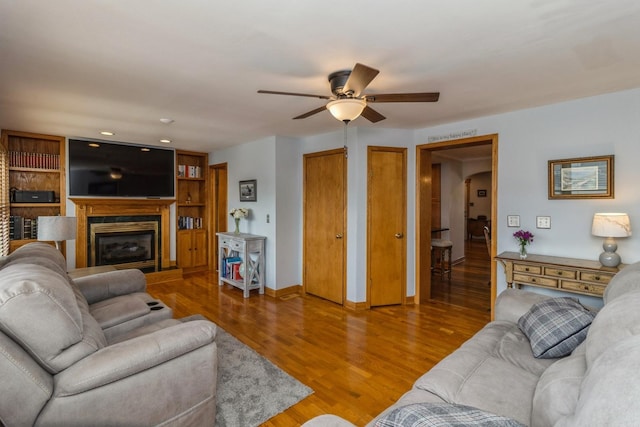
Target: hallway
[[469, 285]]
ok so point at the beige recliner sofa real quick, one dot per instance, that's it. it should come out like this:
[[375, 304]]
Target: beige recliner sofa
[[597, 384], [98, 350]]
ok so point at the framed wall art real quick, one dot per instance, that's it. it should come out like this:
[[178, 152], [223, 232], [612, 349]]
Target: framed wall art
[[248, 190], [581, 178]]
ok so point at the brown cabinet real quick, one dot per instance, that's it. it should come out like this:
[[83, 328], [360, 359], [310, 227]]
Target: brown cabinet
[[192, 210], [566, 274], [36, 181], [192, 249]]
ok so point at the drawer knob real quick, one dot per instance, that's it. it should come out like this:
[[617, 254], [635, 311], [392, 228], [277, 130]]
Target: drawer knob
[[526, 269], [586, 287], [533, 280], [559, 273], [597, 277]]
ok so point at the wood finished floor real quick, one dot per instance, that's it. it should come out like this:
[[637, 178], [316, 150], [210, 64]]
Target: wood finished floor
[[357, 363]]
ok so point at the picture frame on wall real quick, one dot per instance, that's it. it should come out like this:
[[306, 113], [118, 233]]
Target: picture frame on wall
[[581, 178], [482, 193], [248, 190]]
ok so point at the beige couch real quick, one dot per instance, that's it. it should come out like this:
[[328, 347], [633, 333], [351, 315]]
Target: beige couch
[[98, 350], [598, 384]]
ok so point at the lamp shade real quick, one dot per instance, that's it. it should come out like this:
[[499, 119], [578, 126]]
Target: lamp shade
[[346, 109], [611, 225], [56, 228]]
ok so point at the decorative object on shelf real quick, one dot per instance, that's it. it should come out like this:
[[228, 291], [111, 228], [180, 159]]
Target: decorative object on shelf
[[248, 190], [610, 225], [237, 214], [524, 238], [56, 229], [581, 178]]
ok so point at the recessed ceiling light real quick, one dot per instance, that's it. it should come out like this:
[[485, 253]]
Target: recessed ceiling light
[[107, 133], [166, 141], [167, 121]]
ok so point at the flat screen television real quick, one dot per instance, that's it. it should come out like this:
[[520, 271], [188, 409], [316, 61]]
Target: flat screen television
[[113, 169]]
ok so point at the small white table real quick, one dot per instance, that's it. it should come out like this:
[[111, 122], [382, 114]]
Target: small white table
[[241, 261]]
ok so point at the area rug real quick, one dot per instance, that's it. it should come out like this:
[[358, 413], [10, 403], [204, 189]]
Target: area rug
[[251, 389]]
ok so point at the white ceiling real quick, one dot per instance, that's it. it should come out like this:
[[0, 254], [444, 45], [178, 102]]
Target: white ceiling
[[74, 67]]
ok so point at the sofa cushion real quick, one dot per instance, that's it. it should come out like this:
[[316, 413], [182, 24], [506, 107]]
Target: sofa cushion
[[494, 371], [443, 414], [617, 320], [556, 326], [609, 393], [39, 310], [557, 391], [626, 280]]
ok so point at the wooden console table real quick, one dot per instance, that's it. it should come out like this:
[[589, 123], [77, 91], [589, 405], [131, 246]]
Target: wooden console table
[[579, 276], [241, 261]]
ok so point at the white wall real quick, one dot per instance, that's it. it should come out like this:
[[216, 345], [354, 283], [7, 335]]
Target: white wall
[[528, 139], [254, 160]]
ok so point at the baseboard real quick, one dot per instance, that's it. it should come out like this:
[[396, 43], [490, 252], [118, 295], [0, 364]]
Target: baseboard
[[356, 306], [279, 293]]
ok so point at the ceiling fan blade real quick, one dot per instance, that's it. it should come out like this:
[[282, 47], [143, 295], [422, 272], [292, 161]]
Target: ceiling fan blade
[[311, 113], [359, 79], [404, 97], [372, 115], [274, 92]]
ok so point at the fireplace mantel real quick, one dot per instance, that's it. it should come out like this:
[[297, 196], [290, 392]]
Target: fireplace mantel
[[87, 207]]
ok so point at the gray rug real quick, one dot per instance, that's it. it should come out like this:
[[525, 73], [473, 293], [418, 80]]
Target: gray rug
[[251, 389]]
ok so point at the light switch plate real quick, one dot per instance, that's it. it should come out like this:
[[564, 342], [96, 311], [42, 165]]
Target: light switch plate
[[513, 220], [543, 222]]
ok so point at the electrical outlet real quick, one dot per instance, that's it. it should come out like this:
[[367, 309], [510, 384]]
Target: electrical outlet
[[543, 222], [513, 220], [268, 219]]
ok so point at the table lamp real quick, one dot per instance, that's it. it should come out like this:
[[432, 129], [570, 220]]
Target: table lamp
[[56, 229], [610, 225]]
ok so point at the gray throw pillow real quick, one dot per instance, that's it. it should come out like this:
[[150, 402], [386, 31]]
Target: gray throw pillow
[[555, 326], [441, 415]]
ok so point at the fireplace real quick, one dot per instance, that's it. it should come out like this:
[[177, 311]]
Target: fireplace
[[125, 244], [122, 225]]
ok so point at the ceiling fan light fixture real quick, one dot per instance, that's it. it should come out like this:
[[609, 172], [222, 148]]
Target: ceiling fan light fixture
[[346, 109]]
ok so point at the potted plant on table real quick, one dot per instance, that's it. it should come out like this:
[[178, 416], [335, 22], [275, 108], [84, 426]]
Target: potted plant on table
[[524, 238], [237, 214]]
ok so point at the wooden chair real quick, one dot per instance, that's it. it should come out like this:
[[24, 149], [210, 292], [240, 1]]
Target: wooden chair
[[487, 240]]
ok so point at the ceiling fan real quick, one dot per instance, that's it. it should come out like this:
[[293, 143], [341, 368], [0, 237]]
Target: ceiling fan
[[348, 102]]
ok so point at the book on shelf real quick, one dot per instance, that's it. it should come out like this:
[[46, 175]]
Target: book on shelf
[[189, 223], [21, 159], [22, 228], [189, 171]]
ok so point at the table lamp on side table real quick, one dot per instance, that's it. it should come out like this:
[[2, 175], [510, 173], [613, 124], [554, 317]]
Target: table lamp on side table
[[56, 229], [610, 225]]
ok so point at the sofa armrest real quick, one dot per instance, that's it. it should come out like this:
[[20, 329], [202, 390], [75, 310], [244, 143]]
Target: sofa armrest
[[511, 304], [136, 355], [102, 286]]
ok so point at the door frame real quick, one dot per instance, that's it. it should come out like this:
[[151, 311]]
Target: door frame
[[219, 199], [423, 215]]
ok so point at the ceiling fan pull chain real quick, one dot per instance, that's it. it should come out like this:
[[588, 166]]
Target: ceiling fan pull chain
[[346, 149]]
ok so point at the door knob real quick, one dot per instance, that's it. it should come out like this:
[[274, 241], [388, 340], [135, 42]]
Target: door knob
[[399, 235], [338, 236]]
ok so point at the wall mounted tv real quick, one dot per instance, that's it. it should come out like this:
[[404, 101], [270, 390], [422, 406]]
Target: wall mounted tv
[[112, 169]]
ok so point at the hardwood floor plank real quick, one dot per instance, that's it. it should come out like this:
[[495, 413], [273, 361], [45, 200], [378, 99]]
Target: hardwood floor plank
[[357, 363]]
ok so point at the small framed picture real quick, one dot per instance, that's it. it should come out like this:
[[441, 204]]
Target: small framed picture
[[482, 193], [248, 190], [581, 178]]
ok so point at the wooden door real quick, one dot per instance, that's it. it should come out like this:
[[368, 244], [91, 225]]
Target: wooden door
[[436, 199], [386, 225], [185, 249], [199, 248], [219, 214], [324, 229]]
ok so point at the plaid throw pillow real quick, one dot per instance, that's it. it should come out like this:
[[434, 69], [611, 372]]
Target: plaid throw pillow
[[556, 326], [443, 415]]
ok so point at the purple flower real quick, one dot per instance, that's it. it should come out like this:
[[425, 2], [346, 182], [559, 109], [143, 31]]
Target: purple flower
[[523, 237]]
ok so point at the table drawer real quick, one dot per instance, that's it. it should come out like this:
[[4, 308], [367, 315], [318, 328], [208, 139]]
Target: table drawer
[[535, 280], [559, 272], [597, 277], [583, 287], [524, 268]]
